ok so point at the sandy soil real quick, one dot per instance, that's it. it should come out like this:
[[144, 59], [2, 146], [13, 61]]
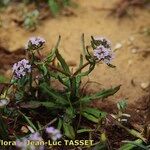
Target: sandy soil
[[133, 66]]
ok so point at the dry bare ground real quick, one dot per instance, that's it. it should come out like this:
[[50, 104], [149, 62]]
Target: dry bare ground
[[132, 59]]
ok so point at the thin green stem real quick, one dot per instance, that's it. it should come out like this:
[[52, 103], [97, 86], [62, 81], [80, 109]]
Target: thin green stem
[[59, 70], [86, 64], [79, 117]]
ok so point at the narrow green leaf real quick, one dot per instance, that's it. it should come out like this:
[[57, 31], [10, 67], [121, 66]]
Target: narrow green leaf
[[130, 146], [100, 95], [48, 104], [39, 126], [3, 79], [112, 66], [81, 61], [95, 112], [52, 55], [53, 6], [64, 81], [70, 112], [57, 96], [69, 131], [139, 144], [60, 123], [62, 62], [73, 87], [91, 67], [83, 45], [3, 129], [78, 83], [44, 69], [84, 130], [28, 121], [66, 2], [90, 117]]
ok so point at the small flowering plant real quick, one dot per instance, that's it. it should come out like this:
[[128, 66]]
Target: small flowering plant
[[35, 103]]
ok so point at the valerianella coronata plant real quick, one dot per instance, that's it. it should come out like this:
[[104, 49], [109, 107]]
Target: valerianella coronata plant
[[21, 68], [102, 50], [35, 43], [53, 133]]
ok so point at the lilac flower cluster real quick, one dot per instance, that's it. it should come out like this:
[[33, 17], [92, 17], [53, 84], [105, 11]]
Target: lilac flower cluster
[[103, 50], [35, 43], [103, 41], [21, 68], [36, 137], [54, 133]]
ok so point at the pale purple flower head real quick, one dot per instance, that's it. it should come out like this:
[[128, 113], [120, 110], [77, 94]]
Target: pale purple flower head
[[35, 137], [22, 143], [103, 41], [103, 54], [21, 68], [102, 50], [54, 133], [35, 43]]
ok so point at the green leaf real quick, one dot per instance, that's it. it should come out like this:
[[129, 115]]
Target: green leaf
[[28, 121], [30, 104], [95, 112], [3, 129], [43, 67], [49, 104], [122, 104], [130, 146], [39, 125], [36, 104], [69, 131], [52, 55], [81, 61], [53, 6], [66, 2], [64, 81], [70, 112], [60, 123], [2, 79], [78, 83], [91, 67], [100, 147], [100, 95], [62, 62], [138, 143], [112, 66], [57, 96], [90, 117], [83, 45], [73, 88], [85, 130]]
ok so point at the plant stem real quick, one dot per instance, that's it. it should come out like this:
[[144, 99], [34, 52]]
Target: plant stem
[[59, 70], [79, 117], [32, 62], [87, 63]]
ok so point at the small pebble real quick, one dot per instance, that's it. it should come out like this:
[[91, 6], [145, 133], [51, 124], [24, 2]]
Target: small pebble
[[130, 62], [145, 85], [131, 38], [118, 46], [134, 50]]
